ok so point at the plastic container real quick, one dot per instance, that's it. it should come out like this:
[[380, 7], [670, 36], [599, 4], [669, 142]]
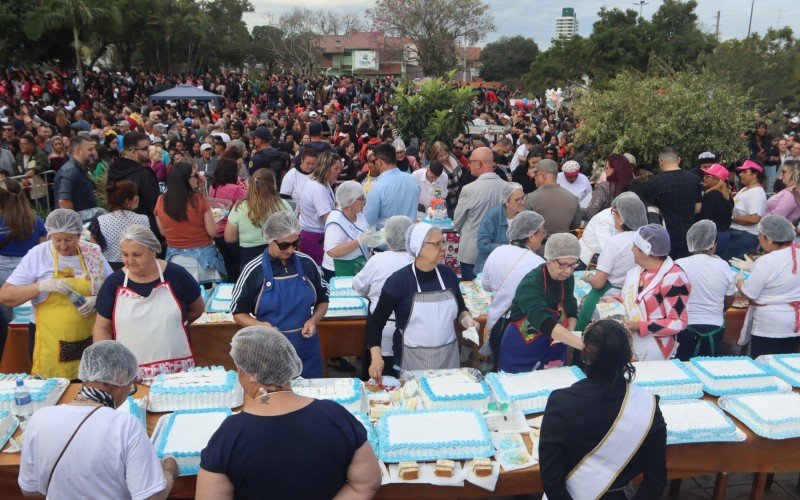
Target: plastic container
[[23, 409], [76, 299]]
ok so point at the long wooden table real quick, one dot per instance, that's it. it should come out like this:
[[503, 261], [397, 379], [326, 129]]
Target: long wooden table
[[756, 454]]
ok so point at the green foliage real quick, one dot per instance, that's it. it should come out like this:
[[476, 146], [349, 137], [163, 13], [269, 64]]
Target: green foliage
[[567, 60], [617, 42], [435, 112], [674, 34], [507, 58], [640, 114]]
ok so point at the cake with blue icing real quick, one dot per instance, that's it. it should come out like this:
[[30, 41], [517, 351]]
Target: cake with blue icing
[[348, 392], [529, 391], [785, 366], [432, 435], [696, 421], [732, 375], [342, 286], [372, 436], [8, 424], [135, 408], [346, 307], [186, 433], [44, 392], [454, 389], [774, 415], [221, 297], [209, 387], [668, 379]]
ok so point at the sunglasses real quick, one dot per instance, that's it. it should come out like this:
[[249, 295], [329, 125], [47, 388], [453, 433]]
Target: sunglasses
[[284, 245]]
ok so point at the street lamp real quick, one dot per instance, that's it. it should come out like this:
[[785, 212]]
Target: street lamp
[[641, 3]]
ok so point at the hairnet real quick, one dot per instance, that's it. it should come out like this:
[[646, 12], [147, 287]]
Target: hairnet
[[64, 220], [266, 355], [631, 210], [508, 190], [777, 228], [399, 145], [653, 240], [415, 237], [109, 362], [142, 235], [348, 192], [280, 225], [701, 236], [523, 225], [562, 245], [395, 230]]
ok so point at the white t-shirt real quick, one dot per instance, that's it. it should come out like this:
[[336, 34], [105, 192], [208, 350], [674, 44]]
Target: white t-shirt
[[749, 201], [316, 201], [428, 190], [338, 229], [504, 269], [616, 257], [293, 183], [521, 151], [596, 233], [711, 279], [581, 188], [111, 456], [772, 284]]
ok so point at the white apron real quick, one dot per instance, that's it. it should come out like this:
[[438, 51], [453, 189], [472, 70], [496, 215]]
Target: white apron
[[647, 348], [598, 470], [429, 339], [153, 329]]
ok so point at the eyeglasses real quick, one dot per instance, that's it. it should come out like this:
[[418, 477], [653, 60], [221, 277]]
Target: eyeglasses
[[564, 266], [284, 245], [140, 149], [437, 244]]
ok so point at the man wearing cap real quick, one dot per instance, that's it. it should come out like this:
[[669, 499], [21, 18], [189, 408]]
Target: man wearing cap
[[559, 207], [265, 156], [704, 161], [793, 128], [207, 162], [571, 179]]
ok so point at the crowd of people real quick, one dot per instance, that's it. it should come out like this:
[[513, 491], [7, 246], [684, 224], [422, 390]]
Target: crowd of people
[[293, 181]]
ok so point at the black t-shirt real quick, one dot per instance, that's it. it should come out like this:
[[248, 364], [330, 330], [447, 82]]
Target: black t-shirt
[[303, 454], [521, 177], [268, 158], [717, 209]]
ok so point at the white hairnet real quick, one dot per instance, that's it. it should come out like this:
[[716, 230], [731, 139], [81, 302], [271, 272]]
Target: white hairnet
[[266, 355], [415, 237], [508, 190], [109, 362], [631, 210], [348, 192], [653, 240], [395, 229], [701, 236], [562, 246], [777, 228], [142, 235], [523, 225], [280, 225], [64, 220], [399, 145]]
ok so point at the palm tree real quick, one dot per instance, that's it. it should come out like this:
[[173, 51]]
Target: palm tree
[[80, 15]]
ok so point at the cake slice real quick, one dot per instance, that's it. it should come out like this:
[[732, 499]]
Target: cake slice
[[482, 467], [444, 468], [408, 470]]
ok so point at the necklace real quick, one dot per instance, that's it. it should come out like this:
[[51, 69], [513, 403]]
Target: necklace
[[264, 398]]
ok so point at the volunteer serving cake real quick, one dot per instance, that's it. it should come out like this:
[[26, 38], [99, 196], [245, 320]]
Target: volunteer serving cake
[[208, 387], [44, 392], [732, 375], [185, 434], [8, 424], [668, 379], [454, 389], [529, 391], [342, 286], [774, 415], [346, 307], [220, 300], [696, 421], [348, 392], [785, 366], [432, 434]]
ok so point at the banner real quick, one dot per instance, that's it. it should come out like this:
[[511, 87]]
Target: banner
[[365, 59]]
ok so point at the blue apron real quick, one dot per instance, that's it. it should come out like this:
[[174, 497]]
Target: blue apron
[[286, 303]]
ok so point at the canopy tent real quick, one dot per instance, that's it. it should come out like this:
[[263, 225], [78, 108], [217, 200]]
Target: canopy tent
[[185, 93]]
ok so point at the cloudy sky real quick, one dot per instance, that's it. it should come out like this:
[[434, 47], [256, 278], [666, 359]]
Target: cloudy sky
[[536, 19]]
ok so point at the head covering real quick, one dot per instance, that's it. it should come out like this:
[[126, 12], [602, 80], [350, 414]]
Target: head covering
[[653, 240], [508, 190], [415, 237], [399, 145], [395, 230], [265, 355], [701, 236], [707, 157], [523, 225], [546, 165], [108, 362], [777, 228], [348, 192], [795, 119], [262, 133], [280, 225], [64, 220], [631, 210], [206, 146], [631, 158], [571, 168], [750, 164], [718, 171], [141, 235], [562, 246]]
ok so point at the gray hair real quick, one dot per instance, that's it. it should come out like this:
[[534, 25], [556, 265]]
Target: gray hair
[[142, 235], [280, 225], [395, 230]]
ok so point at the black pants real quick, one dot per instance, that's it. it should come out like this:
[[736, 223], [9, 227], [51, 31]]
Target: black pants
[[230, 254], [766, 345], [687, 341]]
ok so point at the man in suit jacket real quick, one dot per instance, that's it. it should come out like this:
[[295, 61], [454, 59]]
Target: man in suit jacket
[[475, 200]]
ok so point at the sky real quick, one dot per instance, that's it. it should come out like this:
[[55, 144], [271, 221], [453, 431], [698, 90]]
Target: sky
[[536, 19]]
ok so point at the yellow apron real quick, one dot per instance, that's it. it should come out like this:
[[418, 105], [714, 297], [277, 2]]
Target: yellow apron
[[61, 333]]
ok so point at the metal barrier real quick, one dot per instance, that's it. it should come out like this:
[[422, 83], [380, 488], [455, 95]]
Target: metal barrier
[[38, 189]]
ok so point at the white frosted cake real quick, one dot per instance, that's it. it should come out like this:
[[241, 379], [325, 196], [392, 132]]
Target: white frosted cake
[[668, 379], [774, 415], [220, 300], [44, 392], [433, 435], [135, 407], [456, 389], [696, 421], [348, 392], [185, 435], [785, 366], [209, 387], [372, 436], [8, 424], [345, 307], [732, 375], [342, 286], [529, 391]]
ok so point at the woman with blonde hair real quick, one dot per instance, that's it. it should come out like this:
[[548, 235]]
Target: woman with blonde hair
[[717, 203], [155, 153], [248, 216], [783, 203], [452, 167], [316, 202]]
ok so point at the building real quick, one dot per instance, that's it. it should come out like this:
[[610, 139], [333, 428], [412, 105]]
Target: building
[[469, 64], [567, 24], [365, 54]]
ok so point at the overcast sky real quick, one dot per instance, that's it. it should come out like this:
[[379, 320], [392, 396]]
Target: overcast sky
[[536, 19]]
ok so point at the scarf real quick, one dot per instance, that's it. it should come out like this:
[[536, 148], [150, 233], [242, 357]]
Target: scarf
[[98, 396]]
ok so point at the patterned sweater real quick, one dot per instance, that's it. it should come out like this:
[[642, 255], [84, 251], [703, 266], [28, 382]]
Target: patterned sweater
[[666, 303]]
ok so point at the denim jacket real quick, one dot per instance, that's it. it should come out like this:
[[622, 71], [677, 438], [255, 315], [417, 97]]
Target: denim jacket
[[491, 234]]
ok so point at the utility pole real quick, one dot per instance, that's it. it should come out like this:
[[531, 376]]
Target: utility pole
[[750, 24], [717, 30], [640, 3]]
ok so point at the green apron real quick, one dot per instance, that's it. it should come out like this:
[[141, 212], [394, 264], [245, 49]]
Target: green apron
[[589, 305], [707, 337], [349, 267]]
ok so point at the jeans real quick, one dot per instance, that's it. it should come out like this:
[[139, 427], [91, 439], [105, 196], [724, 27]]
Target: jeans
[[467, 271], [741, 242], [723, 240], [770, 173]]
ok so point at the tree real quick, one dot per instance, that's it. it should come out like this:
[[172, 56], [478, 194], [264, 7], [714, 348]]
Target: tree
[[618, 41], [435, 27], [567, 60], [508, 58], [435, 111], [79, 15], [334, 23], [674, 34], [264, 38]]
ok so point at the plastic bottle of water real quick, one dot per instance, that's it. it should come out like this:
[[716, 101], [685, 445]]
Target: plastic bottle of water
[[76, 299], [22, 403]]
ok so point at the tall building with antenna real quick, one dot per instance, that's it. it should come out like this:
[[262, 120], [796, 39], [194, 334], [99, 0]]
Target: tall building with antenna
[[567, 24]]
